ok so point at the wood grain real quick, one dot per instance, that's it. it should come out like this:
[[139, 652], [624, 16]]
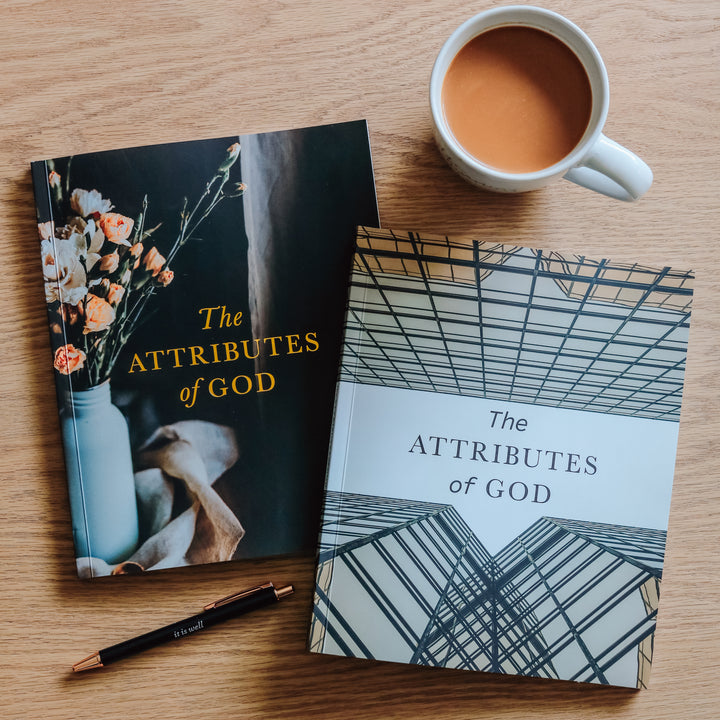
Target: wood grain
[[79, 77]]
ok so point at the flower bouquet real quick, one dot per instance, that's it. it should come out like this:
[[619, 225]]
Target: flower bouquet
[[101, 267]]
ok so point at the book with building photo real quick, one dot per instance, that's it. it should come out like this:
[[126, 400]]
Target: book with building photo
[[195, 293], [502, 459]]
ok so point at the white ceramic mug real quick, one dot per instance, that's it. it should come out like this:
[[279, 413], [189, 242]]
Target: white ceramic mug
[[596, 162]]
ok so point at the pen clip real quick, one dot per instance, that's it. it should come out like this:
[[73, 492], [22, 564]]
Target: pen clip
[[236, 596]]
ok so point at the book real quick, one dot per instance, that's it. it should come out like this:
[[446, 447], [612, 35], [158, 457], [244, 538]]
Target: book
[[195, 295], [502, 459]]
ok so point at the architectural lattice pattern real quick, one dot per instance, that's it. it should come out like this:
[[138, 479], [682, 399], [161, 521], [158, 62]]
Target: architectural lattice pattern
[[566, 599], [510, 323]]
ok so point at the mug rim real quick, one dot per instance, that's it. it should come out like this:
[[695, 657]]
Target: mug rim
[[498, 17]]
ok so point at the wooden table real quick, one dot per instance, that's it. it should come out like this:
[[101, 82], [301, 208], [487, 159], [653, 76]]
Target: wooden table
[[79, 77]]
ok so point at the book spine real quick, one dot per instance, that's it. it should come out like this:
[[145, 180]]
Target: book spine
[[44, 213]]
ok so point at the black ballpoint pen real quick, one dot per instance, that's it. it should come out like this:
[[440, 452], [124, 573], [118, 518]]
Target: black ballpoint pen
[[224, 609]]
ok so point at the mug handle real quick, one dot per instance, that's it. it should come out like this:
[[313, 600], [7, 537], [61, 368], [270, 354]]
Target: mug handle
[[612, 170]]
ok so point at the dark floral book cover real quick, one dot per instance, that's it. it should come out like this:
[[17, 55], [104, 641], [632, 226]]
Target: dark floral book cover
[[195, 295], [502, 459]]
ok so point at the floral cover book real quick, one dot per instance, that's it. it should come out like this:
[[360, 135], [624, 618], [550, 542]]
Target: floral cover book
[[502, 459], [195, 296]]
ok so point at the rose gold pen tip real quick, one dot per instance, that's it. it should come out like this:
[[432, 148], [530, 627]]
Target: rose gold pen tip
[[89, 663], [284, 591]]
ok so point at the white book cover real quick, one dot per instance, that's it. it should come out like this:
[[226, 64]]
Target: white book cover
[[502, 459]]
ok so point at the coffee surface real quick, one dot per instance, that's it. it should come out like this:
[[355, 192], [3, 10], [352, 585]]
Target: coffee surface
[[517, 99]]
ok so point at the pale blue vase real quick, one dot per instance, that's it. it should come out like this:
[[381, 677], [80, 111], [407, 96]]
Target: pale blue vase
[[100, 475]]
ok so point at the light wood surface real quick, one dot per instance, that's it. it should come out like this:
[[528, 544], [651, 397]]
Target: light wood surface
[[79, 77]]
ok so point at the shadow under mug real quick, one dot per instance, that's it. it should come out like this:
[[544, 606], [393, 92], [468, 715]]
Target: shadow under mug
[[596, 162]]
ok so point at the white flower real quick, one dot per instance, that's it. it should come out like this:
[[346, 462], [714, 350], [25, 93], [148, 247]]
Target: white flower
[[96, 235], [87, 202], [63, 272], [46, 230], [91, 259], [95, 239]]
